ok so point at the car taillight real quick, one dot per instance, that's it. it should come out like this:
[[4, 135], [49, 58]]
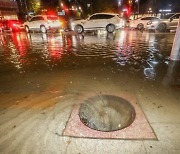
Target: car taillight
[[14, 25]]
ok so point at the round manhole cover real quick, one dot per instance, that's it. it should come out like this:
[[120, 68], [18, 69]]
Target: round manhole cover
[[106, 113]]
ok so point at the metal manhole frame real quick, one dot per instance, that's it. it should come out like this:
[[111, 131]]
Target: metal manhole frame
[[133, 114]]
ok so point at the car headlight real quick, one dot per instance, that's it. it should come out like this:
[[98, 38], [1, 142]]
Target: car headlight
[[149, 23]]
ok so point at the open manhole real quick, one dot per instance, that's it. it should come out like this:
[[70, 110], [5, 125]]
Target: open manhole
[[106, 113]]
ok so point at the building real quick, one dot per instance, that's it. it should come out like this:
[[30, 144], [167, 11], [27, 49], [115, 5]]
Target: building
[[8, 9]]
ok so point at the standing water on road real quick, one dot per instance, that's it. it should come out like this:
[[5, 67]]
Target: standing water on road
[[124, 51], [136, 55]]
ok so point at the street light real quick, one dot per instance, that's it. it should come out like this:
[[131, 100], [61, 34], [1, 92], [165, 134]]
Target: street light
[[119, 3], [89, 7], [73, 8], [62, 4]]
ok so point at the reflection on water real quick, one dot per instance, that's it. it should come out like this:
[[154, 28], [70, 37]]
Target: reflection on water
[[125, 51], [14, 49]]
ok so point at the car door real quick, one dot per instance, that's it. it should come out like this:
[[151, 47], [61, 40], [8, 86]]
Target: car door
[[106, 19], [174, 21], [39, 21], [35, 22], [31, 22], [144, 20], [91, 22]]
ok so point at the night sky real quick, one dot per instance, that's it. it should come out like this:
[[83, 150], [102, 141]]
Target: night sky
[[160, 3], [50, 3]]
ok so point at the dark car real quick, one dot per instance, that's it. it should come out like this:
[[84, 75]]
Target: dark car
[[11, 25]]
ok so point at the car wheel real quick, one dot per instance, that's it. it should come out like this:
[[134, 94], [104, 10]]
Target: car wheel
[[27, 29], [110, 28], [43, 29], [140, 26], [162, 27], [79, 29]]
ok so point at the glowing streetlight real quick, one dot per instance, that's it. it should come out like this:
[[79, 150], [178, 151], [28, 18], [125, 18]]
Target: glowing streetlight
[[72, 8], [62, 5], [119, 2], [130, 2], [150, 10]]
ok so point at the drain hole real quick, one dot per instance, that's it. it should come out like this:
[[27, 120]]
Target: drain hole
[[106, 113]]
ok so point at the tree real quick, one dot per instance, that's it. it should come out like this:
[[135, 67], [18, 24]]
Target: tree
[[103, 6], [34, 6]]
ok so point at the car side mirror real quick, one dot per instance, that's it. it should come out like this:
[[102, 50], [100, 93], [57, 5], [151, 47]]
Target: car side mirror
[[171, 19]]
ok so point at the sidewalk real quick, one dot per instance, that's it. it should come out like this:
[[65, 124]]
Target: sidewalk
[[35, 110]]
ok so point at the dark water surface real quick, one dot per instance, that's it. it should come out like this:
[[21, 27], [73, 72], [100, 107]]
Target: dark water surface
[[145, 55]]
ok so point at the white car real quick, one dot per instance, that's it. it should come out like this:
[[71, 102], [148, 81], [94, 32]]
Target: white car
[[167, 22], [42, 23], [99, 21], [141, 23]]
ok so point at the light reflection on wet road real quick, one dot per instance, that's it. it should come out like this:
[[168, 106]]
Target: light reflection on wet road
[[141, 53], [125, 50]]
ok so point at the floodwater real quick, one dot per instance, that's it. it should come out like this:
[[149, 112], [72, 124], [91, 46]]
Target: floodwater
[[126, 52], [42, 75]]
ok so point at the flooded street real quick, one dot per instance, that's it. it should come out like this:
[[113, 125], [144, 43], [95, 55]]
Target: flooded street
[[43, 75], [126, 50]]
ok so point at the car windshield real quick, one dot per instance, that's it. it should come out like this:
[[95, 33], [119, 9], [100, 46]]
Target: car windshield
[[167, 16], [52, 18]]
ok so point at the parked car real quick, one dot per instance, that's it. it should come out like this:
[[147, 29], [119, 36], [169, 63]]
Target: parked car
[[11, 25], [43, 23], [98, 21], [167, 22], [141, 23]]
